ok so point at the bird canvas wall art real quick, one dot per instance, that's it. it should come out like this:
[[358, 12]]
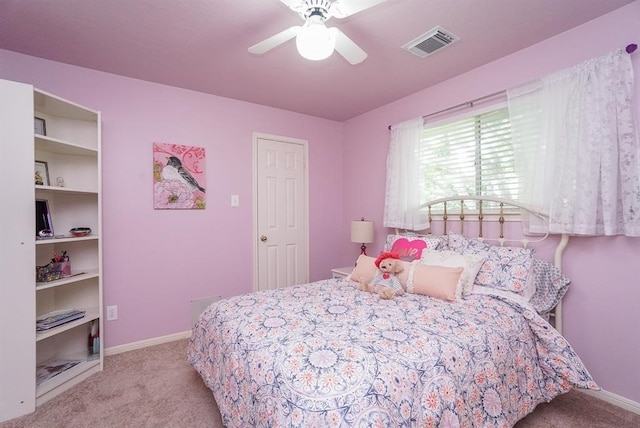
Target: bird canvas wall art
[[179, 178]]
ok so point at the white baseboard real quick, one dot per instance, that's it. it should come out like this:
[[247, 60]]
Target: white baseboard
[[614, 399], [148, 342]]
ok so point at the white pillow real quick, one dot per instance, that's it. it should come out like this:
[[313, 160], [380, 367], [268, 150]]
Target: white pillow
[[470, 262]]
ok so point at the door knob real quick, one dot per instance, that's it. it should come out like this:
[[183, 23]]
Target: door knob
[[263, 238]]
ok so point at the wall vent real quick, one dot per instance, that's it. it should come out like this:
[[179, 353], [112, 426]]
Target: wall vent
[[431, 41], [199, 305]]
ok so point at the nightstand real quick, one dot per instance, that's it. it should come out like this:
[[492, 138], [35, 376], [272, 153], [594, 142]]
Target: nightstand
[[342, 272]]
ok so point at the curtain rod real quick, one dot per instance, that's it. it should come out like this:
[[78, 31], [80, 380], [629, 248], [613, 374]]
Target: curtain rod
[[629, 49], [466, 103]]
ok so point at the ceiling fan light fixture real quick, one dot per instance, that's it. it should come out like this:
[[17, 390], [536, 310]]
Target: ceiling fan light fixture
[[315, 41]]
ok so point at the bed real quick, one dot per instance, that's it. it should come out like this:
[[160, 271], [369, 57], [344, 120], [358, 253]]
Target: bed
[[326, 354]]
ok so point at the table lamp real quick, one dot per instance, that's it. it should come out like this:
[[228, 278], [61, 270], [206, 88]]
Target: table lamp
[[362, 233]]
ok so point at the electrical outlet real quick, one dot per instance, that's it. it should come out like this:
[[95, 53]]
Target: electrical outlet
[[112, 313]]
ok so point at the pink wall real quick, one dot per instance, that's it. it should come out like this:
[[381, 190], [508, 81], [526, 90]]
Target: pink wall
[[602, 309], [155, 261]]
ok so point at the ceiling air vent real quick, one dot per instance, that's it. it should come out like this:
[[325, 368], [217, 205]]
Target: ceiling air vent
[[431, 41]]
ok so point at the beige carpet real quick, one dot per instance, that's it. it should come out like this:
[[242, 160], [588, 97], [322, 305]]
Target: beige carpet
[[156, 387]]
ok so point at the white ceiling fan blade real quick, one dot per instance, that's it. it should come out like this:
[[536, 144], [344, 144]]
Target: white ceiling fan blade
[[295, 5], [347, 48], [344, 8], [275, 40]]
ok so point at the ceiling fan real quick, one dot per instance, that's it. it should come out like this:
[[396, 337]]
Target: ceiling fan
[[313, 39]]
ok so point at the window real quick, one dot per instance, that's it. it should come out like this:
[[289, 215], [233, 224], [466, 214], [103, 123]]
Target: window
[[575, 154], [469, 156]]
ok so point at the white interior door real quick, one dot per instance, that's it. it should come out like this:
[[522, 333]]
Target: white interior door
[[281, 219]]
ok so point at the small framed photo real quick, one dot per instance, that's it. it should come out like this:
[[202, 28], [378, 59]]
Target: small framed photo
[[39, 126], [42, 174], [44, 225]]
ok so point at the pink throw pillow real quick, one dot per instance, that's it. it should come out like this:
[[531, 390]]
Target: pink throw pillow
[[409, 250], [435, 281], [365, 269]]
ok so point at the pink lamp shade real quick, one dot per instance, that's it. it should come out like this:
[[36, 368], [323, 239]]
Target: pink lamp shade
[[362, 233]]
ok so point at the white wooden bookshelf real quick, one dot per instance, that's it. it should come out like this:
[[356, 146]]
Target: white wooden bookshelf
[[71, 149]]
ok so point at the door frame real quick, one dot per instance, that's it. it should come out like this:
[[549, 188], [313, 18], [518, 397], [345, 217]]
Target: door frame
[[256, 240]]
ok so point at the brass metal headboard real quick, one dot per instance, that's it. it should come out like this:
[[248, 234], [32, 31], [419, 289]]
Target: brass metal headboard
[[502, 205], [440, 210]]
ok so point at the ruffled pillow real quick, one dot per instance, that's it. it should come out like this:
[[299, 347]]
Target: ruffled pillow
[[505, 268], [550, 286]]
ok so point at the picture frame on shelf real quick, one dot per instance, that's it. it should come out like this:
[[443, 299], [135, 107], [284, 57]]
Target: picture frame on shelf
[[39, 126], [41, 175], [44, 225]]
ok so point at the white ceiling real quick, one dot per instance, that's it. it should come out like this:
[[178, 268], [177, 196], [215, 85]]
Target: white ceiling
[[202, 44]]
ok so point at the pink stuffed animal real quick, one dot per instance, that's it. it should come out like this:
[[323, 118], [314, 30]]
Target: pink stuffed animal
[[385, 283]]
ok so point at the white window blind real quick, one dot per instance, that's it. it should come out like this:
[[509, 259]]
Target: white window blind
[[469, 156]]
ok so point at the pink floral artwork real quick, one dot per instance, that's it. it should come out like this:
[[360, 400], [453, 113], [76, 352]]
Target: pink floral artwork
[[178, 176]]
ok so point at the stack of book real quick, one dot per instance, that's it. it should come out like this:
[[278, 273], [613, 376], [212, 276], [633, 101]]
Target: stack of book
[[53, 367], [56, 318]]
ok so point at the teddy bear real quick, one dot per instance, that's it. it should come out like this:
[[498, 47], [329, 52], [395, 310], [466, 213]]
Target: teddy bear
[[385, 283]]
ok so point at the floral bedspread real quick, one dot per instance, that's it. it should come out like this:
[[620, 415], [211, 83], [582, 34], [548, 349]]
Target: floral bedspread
[[327, 355]]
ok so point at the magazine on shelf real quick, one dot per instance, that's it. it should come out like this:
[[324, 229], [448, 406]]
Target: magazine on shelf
[[56, 318], [53, 367]]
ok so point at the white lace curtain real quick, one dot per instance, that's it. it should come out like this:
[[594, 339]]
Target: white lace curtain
[[576, 147], [404, 190]]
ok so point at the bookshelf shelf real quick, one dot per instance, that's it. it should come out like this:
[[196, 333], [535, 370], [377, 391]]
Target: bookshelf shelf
[[75, 277], [64, 377], [90, 315]]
